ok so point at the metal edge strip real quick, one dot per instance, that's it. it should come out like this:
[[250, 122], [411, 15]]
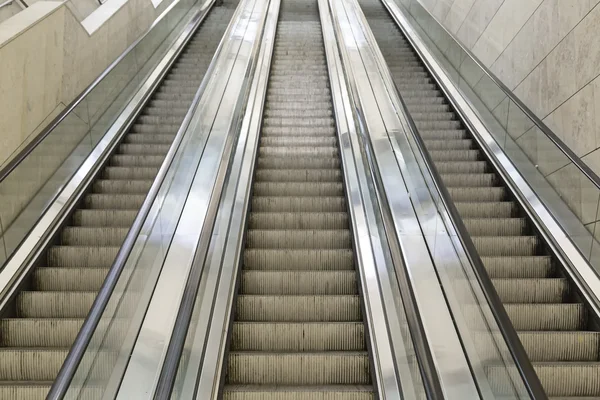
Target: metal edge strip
[[423, 163], [401, 229], [577, 267], [386, 352], [422, 347], [216, 302], [170, 366], [158, 231], [189, 227]]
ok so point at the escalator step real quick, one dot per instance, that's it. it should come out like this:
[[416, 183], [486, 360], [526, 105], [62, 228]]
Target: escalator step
[[299, 174], [292, 220], [299, 308], [495, 226], [298, 282], [298, 239], [69, 279], [322, 368], [287, 259], [65, 256], [298, 189], [279, 392], [304, 204], [54, 304], [298, 337], [115, 218], [548, 317]]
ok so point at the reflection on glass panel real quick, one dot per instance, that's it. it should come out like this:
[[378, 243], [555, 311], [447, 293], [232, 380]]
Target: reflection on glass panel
[[489, 92], [501, 113], [43, 171], [32, 186], [518, 122], [580, 194], [542, 151]]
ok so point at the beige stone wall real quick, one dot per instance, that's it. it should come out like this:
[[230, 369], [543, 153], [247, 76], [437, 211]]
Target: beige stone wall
[[548, 53], [48, 57]]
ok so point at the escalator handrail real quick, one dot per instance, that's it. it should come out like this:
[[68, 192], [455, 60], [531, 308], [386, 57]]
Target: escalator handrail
[[577, 161], [526, 371], [22, 154], [63, 380]]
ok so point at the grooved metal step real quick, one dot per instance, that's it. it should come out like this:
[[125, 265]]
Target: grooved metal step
[[298, 331]]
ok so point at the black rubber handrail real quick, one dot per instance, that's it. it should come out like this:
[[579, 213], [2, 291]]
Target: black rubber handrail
[[69, 368], [29, 147], [580, 164], [523, 364]]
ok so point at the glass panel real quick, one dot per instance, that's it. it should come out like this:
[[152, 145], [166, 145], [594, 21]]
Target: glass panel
[[41, 175], [569, 194], [31, 187], [491, 361], [105, 359]]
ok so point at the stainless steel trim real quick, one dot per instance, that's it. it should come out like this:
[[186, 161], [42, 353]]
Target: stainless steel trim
[[391, 369], [208, 343], [453, 219], [418, 277], [18, 267], [577, 267], [218, 122], [61, 384], [252, 45]]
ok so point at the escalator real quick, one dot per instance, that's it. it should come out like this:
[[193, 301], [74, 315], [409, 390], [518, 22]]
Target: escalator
[[298, 330], [559, 333], [45, 317]]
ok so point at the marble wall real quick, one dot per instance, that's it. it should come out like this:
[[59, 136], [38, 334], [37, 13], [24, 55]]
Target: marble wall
[[48, 57], [548, 53]]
